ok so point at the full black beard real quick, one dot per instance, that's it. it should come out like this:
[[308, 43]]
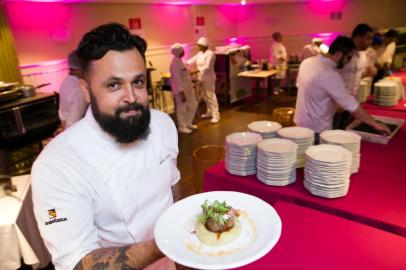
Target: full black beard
[[126, 130]]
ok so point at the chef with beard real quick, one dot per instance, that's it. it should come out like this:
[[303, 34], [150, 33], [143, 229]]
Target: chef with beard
[[321, 87], [100, 186]]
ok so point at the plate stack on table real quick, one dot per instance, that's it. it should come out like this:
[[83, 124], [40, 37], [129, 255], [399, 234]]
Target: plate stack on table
[[267, 129], [327, 170], [276, 161], [386, 93], [303, 137], [399, 82], [363, 91], [347, 139], [241, 153]]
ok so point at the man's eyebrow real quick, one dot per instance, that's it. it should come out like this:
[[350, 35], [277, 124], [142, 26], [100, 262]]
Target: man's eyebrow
[[140, 76]]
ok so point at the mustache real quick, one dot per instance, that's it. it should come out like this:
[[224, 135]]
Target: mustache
[[131, 107]]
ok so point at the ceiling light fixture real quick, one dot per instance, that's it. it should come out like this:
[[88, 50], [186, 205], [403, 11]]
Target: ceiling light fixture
[[243, 2]]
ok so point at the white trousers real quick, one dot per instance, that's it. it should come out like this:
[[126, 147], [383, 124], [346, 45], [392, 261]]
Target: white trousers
[[209, 94], [185, 111]]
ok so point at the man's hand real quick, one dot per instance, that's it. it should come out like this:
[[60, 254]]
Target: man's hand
[[382, 128]]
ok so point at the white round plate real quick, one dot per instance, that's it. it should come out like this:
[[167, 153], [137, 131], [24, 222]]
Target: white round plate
[[243, 138], [276, 145], [328, 153], [340, 136], [176, 239], [296, 133], [264, 126]]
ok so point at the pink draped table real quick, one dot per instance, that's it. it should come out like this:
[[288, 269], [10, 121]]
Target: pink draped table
[[314, 240], [377, 192]]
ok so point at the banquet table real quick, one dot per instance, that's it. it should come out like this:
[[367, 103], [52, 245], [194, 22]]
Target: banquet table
[[377, 192], [19, 235], [258, 76], [312, 239], [401, 106]]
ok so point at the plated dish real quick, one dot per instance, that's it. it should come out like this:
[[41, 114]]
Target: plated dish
[[257, 228]]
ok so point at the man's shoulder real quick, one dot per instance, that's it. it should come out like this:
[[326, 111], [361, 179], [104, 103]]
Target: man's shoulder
[[159, 118]]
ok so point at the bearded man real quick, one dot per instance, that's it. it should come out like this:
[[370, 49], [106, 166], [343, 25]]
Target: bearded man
[[100, 186]]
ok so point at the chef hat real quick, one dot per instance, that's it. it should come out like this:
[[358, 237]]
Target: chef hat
[[73, 60], [317, 40], [203, 42], [177, 49]]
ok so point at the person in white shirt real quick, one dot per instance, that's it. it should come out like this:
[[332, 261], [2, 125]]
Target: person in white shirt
[[204, 61], [72, 103], [389, 40], [311, 49], [321, 87], [278, 60], [183, 92], [355, 70], [100, 186]]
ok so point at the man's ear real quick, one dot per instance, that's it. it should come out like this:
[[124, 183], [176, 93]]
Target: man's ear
[[337, 56], [85, 89]]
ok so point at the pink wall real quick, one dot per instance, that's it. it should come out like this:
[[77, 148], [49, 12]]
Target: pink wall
[[48, 31]]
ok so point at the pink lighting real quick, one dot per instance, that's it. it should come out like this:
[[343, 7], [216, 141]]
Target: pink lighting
[[326, 6]]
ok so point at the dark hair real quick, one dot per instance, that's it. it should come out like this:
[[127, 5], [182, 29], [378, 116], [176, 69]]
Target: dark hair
[[113, 36], [342, 44], [392, 33], [361, 30], [276, 35], [377, 39]]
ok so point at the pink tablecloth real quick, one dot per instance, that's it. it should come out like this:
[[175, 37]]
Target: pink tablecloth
[[377, 192], [314, 240], [401, 106]]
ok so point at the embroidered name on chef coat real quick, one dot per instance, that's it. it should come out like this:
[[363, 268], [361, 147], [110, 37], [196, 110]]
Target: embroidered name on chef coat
[[53, 217], [164, 159]]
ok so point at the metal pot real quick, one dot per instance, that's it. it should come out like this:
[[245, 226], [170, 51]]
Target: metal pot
[[29, 90]]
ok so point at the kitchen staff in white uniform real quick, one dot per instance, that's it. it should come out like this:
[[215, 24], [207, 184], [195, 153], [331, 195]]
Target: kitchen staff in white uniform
[[204, 61], [279, 60], [72, 103], [311, 49], [321, 87], [183, 92], [100, 186]]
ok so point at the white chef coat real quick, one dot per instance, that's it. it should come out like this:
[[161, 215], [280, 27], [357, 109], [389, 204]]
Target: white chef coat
[[309, 50], [387, 55], [205, 65], [91, 192], [181, 81], [352, 72], [276, 52], [72, 103], [320, 87]]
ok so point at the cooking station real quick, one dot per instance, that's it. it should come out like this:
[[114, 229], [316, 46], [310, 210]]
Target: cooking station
[[26, 119]]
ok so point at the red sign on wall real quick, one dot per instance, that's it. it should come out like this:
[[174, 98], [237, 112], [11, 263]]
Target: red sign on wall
[[134, 23], [199, 21]]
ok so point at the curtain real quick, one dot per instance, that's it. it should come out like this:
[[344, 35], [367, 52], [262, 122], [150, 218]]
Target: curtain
[[9, 70]]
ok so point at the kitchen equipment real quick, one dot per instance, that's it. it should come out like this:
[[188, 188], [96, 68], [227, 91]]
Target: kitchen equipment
[[29, 90], [9, 95], [6, 187], [7, 86], [368, 133]]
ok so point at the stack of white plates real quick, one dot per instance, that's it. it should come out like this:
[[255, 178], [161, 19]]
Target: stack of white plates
[[347, 139], [327, 170], [267, 129], [363, 91], [399, 82], [276, 161], [303, 137], [386, 93], [368, 80], [241, 153]]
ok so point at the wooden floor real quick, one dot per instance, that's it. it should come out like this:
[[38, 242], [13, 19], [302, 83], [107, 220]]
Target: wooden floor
[[234, 118]]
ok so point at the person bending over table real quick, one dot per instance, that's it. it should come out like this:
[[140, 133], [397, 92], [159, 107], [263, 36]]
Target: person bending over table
[[321, 87], [100, 186]]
